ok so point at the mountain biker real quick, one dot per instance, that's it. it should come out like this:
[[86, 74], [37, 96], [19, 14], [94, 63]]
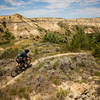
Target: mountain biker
[[22, 57]]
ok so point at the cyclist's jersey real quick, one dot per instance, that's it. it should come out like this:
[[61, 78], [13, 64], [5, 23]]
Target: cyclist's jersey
[[22, 54]]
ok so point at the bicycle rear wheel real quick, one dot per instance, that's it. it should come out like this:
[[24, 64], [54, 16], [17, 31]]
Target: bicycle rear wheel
[[14, 73]]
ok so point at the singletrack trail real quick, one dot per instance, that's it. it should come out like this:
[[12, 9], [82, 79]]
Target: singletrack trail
[[13, 80]]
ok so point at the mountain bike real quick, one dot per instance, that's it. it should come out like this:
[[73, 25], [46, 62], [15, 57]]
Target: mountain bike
[[21, 67]]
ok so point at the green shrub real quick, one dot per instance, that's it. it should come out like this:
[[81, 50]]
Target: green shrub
[[26, 96], [96, 51], [4, 24], [54, 37], [56, 82], [21, 90], [5, 36], [35, 51], [97, 73], [9, 53], [79, 40], [61, 24], [41, 29], [13, 92]]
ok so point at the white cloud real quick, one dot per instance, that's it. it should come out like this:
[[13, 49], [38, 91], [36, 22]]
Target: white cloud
[[58, 3], [86, 12], [67, 3], [18, 3], [90, 12], [39, 13], [89, 2], [54, 3], [3, 7]]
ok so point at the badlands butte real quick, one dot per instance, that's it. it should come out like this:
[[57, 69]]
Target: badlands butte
[[65, 58], [19, 25]]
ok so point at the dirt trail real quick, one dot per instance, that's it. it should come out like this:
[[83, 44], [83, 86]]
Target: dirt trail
[[13, 80]]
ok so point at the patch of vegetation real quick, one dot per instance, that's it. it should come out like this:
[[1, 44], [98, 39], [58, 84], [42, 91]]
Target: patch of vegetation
[[5, 36], [13, 92], [83, 81], [96, 51], [62, 24], [56, 82], [35, 51], [26, 96], [97, 73], [41, 29], [62, 93], [21, 90], [55, 64], [9, 53], [80, 40], [54, 37], [24, 46]]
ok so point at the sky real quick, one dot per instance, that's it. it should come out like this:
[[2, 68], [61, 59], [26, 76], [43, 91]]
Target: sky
[[51, 8]]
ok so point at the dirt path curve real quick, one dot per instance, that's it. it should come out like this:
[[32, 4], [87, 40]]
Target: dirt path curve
[[13, 80]]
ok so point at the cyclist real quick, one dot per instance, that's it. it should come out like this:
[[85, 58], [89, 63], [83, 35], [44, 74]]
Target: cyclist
[[22, 57]]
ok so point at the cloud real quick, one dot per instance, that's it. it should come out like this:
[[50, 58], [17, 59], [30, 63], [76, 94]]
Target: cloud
[[66, 3], [89, 2], [55, 8], [3, 7], [39, 13], [54, 3], [18, 3], [58, 3], [90, 12], [86, 12]]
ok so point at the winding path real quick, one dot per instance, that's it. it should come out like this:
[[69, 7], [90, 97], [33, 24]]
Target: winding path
[[13, 80]]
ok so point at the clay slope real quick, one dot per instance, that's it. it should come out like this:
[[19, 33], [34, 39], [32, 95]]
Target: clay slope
[[22, 26], [19, 25]]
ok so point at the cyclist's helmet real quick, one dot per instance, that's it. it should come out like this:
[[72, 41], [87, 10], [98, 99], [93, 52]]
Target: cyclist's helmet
[[26, 50]]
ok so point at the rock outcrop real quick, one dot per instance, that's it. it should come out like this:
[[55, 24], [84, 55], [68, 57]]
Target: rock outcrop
[[22, 26]]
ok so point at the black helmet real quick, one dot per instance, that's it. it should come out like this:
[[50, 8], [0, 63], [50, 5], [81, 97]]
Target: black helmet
[[26, 50]]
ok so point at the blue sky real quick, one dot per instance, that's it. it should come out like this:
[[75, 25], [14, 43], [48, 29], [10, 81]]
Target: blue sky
[[51, 8]]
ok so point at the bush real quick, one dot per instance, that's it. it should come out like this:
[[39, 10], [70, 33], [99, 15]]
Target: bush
[[56, 82], [5, 36], [96, 51], [21, 90], [9, 53], [61, 24], [35, 51], [13, 92], [79, 40], [54, 37]]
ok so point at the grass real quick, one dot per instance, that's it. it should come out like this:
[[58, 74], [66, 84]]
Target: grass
[[13, 92], [55, 64], [26, 96], [21, 90], [56, 82], [97, 73], [62, 93], [9, 53], [35, 51]]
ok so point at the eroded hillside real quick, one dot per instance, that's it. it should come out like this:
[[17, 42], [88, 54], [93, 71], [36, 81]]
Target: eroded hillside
[[22, 26]]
